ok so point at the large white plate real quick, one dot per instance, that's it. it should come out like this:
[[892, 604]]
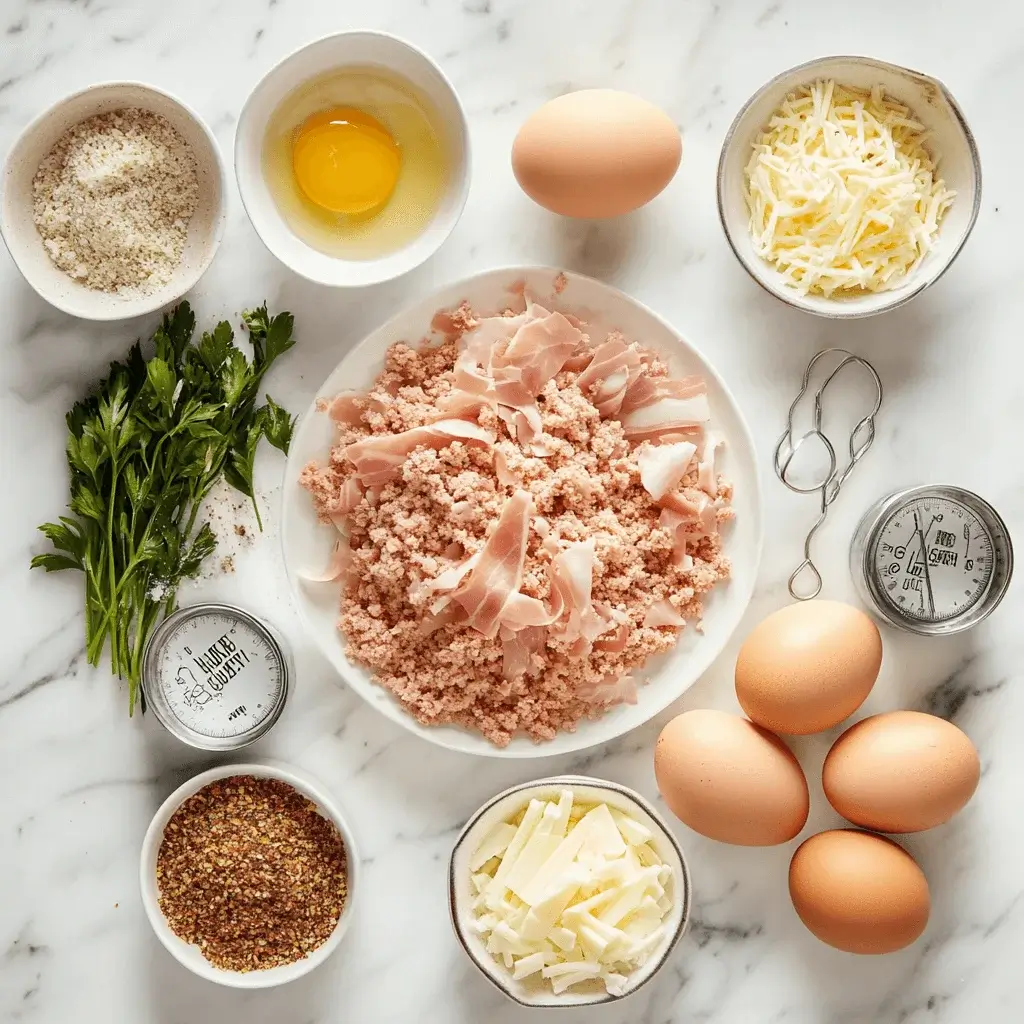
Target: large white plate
[[307, 543]]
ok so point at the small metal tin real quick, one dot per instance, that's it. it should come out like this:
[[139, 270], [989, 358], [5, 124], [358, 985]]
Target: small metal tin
[[932, 560], [215, 676]]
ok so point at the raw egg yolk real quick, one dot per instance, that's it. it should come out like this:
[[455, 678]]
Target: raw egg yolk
[[345, 161]]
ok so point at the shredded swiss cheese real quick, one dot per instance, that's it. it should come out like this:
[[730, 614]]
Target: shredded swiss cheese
[[842, 192]]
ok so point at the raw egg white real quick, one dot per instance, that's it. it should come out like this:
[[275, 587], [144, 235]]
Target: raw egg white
[[357, 163]]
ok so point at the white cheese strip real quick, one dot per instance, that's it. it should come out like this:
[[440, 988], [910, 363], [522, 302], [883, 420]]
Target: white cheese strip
[[528, 965], [492, 845], [508, 861], [543, 915], [631, 831], [563, 938]]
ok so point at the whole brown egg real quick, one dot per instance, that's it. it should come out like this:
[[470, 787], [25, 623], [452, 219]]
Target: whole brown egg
[[730, 780], [596, 153], [808, 666], [859, 892], [904, 771]]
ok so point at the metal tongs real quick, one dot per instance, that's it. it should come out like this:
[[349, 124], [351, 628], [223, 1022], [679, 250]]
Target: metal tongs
[[860, 440]]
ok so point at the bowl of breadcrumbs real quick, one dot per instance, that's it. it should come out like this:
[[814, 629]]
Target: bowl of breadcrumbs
[[248, 873], [113, 201]]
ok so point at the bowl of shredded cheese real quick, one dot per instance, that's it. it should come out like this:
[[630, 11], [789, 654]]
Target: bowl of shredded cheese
[[846, 185], [114, 201], [568, 891]]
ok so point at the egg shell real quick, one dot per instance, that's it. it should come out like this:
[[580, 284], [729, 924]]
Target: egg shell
[[808, 666], [903, 771], [859, 892], [596, 153], [730, 780]]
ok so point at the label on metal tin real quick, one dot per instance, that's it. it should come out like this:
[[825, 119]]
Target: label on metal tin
[[215, 676]]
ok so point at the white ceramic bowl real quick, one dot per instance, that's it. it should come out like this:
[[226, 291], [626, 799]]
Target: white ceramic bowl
[[189, 955], [332, 53], [535, 991], [307, 543], [16, 204], [951, 142]]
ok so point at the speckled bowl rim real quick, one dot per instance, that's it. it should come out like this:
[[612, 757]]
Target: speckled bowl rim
[[899, 300], [551, 782], [144, 304], [310, 787]]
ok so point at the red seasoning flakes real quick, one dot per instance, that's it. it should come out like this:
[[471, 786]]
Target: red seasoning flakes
[[252, 873], [513, 580]]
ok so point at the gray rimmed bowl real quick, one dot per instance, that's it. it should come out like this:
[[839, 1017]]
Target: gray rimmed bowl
[[533, 992], [952, 145]]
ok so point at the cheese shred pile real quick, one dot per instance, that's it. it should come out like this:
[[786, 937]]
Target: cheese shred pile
[[842, 192]]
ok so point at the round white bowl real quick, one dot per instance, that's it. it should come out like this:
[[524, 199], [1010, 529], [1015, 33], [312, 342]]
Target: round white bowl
[[952, 144], [189, 955], [535, 991], [307, 543], [16, 204], [333, 53]]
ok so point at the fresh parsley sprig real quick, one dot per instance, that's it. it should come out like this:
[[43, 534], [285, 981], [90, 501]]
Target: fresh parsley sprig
[[143, 452]]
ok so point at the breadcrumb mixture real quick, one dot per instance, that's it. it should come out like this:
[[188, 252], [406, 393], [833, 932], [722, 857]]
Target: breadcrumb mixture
[[113, 199], [442, 506]]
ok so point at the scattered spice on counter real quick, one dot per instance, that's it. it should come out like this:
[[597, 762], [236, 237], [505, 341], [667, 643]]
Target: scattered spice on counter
[[252, 873], [113, 200]]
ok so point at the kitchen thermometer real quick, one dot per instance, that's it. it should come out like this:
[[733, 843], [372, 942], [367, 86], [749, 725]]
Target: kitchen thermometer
[[933, 560], [215, 676]]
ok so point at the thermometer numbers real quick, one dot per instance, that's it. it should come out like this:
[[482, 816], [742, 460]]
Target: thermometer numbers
[[933, 559]]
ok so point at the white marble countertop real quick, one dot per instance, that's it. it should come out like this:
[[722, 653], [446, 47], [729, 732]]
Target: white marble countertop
[[81, 780]]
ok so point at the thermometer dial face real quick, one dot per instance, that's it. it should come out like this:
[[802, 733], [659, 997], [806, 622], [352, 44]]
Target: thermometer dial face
[[934, 559]]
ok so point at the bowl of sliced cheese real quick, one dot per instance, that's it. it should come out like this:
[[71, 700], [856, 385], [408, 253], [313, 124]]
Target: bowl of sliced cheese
[[847, 185], [568, 891]]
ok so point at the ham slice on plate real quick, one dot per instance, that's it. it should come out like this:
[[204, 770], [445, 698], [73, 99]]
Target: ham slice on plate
[[379, 459], [499, 573], [347, 408], [663, 466]]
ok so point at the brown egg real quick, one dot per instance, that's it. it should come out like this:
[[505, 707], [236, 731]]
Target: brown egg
[[730, 780], [901, 772], [808, 666], [596, 153], [859, 892]]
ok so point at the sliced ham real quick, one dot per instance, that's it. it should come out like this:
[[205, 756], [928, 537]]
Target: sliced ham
[[517, 650], [349, 497], [444, 581], [347, 408], [499, 573], [538, 351], [647, 390], [663, 466], [611, 690], [663, 613], [337, 566], [572, 578], [707, 478], [616, 643], [378, 459], [666, 414]]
